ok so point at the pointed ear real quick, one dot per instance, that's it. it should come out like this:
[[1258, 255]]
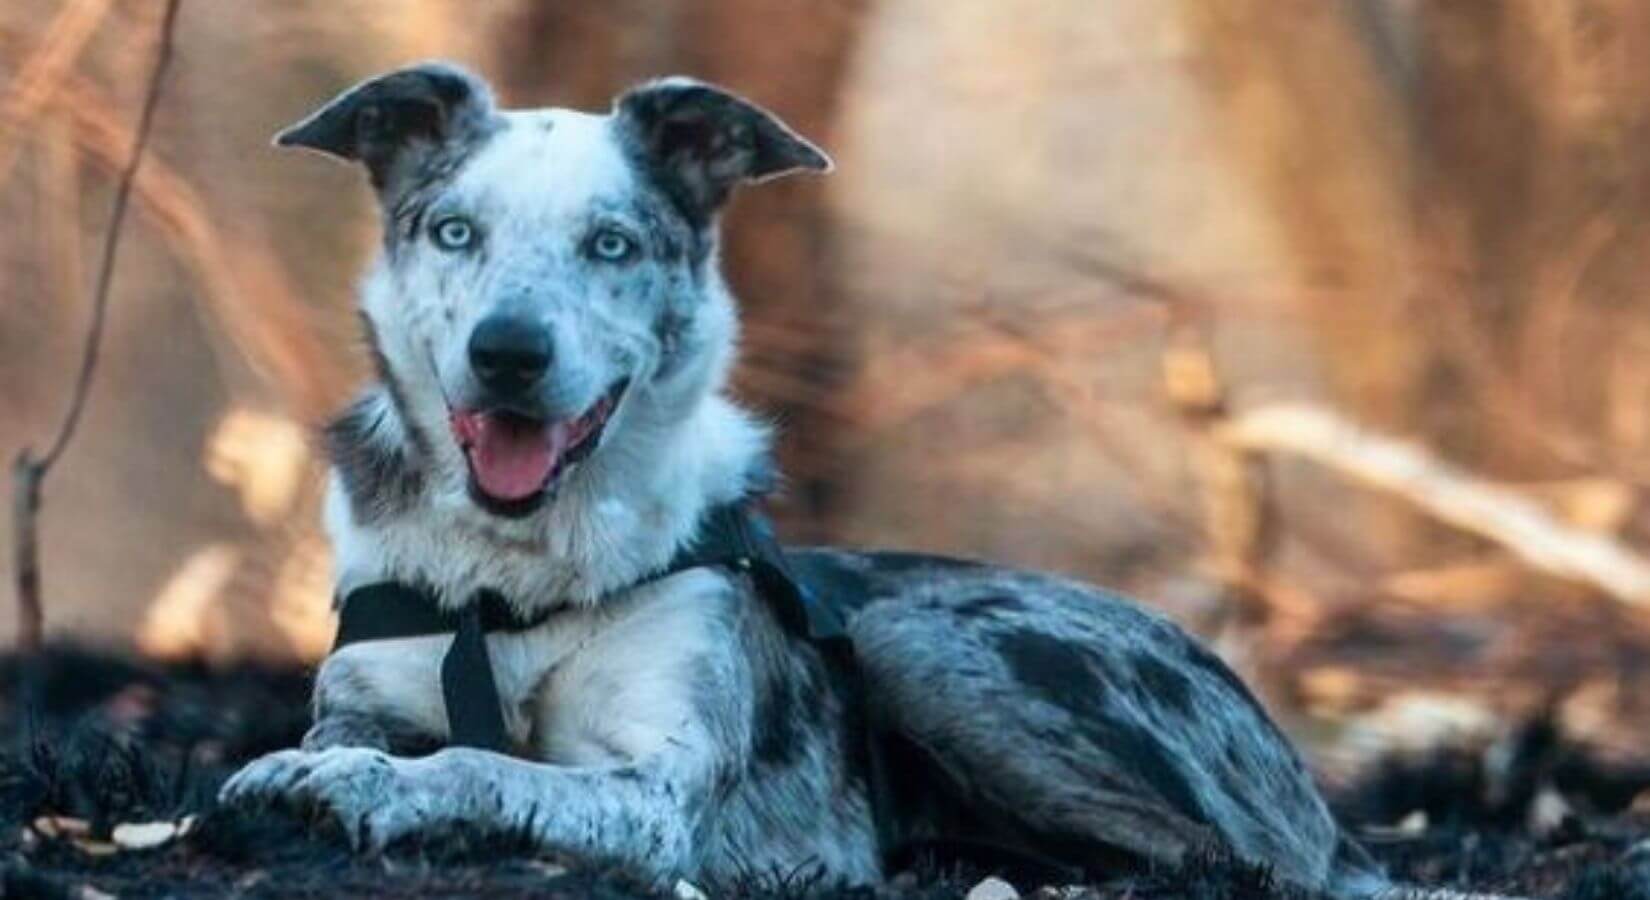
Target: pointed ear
[[699, 141], [385, 121]]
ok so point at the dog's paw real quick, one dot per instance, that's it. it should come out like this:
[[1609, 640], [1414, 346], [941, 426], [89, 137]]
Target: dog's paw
[[370, 795], [265, 780]]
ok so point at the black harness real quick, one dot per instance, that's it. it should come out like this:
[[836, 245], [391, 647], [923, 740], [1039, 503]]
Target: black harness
[[733, 537]]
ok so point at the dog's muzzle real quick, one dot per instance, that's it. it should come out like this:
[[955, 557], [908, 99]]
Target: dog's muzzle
[[516, 458]]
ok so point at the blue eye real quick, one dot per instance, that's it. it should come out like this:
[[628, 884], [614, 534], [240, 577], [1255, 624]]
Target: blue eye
[[453, 233], [612, 246]]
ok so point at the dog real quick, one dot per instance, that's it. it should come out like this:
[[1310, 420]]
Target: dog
[[552, 340]]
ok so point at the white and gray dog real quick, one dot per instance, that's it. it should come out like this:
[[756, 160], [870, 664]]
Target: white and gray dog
[[550, 423]]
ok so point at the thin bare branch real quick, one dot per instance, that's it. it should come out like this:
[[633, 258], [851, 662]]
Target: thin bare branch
[[29, 471], [111, 245], [1496, 512]]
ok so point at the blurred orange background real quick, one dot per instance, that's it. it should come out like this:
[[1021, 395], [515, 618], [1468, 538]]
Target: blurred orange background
[[1317, 324]]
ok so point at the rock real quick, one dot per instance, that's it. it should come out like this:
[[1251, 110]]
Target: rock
[[993, 889], [687, 890], [144, 835], [1067, 892], [547, 869], [61, 826], [1548, 812], [1413, 824], [94, 847]]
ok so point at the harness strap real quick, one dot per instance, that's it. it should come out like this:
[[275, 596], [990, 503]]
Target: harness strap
[[392, 609], [733, 536], [468, 688]]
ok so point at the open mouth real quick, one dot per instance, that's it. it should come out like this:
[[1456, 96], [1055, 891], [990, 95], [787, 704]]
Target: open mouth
[[516, 459]]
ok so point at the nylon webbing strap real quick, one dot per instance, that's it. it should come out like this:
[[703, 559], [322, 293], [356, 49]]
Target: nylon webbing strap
[[474, 714], [732, 537], [735, 537], [388, 610]]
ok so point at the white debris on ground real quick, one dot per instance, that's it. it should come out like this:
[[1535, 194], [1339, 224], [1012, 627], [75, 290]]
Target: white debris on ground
[[687, 890], [993, 889], [129, 836]]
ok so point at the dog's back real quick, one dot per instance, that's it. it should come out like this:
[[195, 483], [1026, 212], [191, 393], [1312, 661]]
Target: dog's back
[[1045, 714]]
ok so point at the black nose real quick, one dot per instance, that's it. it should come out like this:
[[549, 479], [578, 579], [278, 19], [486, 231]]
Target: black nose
[[509, 353]]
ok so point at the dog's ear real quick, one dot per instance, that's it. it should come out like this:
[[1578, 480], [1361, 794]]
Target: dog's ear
[[393, 117], [699, 141]]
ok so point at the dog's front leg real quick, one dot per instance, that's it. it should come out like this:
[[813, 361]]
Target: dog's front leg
[[381, 695], [633, 816], [655, 707]]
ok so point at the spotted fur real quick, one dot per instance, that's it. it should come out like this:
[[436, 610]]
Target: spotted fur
[[676, 728]]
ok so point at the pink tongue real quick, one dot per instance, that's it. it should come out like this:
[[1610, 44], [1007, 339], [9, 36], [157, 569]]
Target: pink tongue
[[512, 459]]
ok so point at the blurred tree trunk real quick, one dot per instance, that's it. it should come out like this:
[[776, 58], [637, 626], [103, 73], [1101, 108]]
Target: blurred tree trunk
[[1464, 187], [1320, 132], [1532, 116], [1319, 127]]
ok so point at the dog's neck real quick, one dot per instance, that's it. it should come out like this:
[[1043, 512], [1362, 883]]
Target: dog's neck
[[622, 515]]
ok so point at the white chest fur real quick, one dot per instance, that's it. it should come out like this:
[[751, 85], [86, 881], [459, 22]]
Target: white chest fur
[[591, 686]]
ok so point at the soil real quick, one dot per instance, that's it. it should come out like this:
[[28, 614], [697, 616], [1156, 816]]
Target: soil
[[107, 739]]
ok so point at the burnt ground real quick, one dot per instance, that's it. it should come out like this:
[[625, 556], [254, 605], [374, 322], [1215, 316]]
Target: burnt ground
[[108, 739]]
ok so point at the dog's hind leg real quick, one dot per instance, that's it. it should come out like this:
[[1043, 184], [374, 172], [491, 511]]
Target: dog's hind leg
[[1085, 724]]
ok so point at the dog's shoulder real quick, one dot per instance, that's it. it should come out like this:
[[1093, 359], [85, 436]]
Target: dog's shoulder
[[852, 579]]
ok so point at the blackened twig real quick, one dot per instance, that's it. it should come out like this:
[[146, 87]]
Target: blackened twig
[[29, 471]]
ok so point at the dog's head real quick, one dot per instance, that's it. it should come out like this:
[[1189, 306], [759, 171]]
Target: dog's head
[[547, 274]]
